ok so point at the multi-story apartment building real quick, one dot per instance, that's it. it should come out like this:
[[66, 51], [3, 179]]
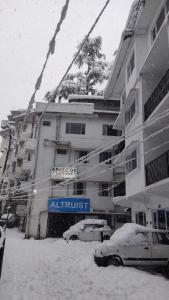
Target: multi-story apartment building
[[49, 173], [10, 178], [140, 80]]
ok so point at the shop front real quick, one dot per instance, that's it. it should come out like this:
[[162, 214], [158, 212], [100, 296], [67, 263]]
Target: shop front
[[65, 212]]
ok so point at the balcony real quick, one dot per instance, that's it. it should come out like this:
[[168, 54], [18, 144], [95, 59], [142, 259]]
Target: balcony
[[120, 189], [157, 96], [157, 169], [30, 145]]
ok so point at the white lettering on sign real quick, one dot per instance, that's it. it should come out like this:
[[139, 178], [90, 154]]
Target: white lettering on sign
[[73, 205], [61, 173]]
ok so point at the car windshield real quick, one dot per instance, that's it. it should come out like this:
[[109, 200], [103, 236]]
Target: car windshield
[[93, 226], [161, 238]]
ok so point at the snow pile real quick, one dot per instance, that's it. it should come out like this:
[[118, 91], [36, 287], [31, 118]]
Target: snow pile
[[129, 234], [52, 269]]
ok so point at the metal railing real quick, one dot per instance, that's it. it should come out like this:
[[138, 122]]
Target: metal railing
[[157, 96], [157, 169]]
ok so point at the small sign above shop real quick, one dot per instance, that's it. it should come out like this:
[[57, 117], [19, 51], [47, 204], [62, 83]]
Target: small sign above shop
[[62, 173]]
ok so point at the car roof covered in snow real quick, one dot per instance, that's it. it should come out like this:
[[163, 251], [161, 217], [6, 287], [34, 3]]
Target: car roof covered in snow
[[126, 234], [92, 221]]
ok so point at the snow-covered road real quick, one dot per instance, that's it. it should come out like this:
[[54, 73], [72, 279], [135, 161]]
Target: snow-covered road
[[52, 269]]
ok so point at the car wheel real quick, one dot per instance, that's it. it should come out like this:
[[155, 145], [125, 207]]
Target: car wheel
[[73, 237], [106, 237], [114, 260]]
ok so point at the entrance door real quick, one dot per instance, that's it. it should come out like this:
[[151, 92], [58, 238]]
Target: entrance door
[[59, 223]]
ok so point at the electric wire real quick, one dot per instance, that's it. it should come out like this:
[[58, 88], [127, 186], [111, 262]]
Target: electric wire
[[150, 136]]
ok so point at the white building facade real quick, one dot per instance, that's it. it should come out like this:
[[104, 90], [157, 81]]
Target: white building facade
[[140, 80], [60, 169]]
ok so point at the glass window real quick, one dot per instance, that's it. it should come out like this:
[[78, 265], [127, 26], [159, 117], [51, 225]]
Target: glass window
[[161, 219], [130, 113], [46, 123], [161, 238], [141, 218], [105, 156], [160, 19], [79, 188], [153, 34], [167, 219], [131, 162], [130, 66], [61, 151], [167, 6], [105, 189], [81, 154], [75, 128], [110, 131]]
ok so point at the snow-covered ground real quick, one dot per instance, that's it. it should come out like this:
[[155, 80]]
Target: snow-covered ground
[[52, 269]]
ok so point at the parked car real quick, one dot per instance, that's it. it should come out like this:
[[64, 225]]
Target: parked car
[[134, 245], [89, 230], [9, 219]]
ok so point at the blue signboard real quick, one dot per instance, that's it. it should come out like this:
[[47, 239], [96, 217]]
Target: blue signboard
[[68, 205]]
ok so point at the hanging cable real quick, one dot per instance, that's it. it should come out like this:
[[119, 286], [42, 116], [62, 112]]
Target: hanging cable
[[50, 52]]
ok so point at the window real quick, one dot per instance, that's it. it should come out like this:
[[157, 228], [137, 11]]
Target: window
[[160, 19], [131, 162], [19, 162], [130, 66], [105, 190], [46, 123], [105, 156], [159, 22], [110, 131], [79, 188], [161, 219], [161, 238], [141, 218], [29, 156], [62, 151], [81, 154], [130, 113], [167, 6], [75, 128]]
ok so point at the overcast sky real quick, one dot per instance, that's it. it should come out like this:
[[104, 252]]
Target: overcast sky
[[26, 27]]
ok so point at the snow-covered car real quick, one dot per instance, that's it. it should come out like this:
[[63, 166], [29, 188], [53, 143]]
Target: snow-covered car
[[89, 230], [134, 245], [10, 220]]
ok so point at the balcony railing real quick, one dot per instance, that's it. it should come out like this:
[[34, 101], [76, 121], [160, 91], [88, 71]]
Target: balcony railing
[[157, 169], [120, 189], [157, 96]]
